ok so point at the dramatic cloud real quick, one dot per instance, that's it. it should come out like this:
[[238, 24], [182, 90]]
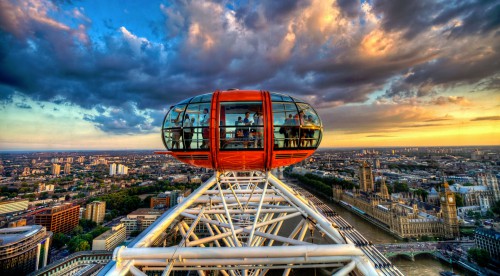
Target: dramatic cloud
[[451, 100], [340, 54]]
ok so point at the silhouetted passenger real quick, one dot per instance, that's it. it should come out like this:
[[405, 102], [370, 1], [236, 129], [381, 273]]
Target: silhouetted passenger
[[205, 131], [188, 131]]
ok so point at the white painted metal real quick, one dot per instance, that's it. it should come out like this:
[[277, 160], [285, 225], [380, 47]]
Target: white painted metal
[[241, 224]]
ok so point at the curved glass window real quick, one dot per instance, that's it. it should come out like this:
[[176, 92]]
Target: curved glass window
[[275, 97], [205, 98], [241, 125], [186, 125], [172, 127], [296, 125], [297, 100]]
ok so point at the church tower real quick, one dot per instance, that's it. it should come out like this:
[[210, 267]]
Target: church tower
[[449, 212], [366, 183]]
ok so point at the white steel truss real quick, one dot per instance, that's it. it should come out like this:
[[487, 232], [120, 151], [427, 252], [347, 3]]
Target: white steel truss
[[240, 223]]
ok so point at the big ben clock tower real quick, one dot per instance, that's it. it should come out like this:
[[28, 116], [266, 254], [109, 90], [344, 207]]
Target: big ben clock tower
[[449, 211]]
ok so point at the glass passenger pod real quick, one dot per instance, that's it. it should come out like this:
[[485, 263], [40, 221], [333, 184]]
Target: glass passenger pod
[[186, 125], [297, 126], [241, 130]]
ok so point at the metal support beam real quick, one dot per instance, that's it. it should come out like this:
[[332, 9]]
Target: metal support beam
[[235, 223]]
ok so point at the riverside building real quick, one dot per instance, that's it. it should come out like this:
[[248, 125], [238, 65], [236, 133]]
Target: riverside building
[[410, 219]]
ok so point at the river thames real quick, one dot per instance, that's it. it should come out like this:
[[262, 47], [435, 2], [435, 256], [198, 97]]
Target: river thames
[[423, 264]]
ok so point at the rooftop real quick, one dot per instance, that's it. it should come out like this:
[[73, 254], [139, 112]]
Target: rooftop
[[12, 201], [10, 235], [145, 211], [110, 232], [488, 232], [58, 208]]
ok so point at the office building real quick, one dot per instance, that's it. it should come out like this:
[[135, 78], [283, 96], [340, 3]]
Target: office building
[[21, 247], [121, 169], [112, 169], [59, 219], [140, 219], [67, 168], [162, 200], [489, 240], [110, 239], [56, 169], [12, 206], [95, 211]]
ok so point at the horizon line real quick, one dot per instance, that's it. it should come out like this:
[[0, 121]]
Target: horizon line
[[320, 148]]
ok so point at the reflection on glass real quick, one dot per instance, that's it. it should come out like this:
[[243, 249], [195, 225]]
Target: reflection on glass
[[186, 126], [295, 126]]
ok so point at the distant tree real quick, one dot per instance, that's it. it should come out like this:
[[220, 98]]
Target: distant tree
[[489, 214], [59, 240], [44, 195], [82, 245], [459, 200], [77, 230], [496, 207], [400, 187], [87, 224], [424, 194], [479, 255], [88, 237]]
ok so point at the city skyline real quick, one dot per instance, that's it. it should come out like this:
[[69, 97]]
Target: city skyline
[[101, 75]]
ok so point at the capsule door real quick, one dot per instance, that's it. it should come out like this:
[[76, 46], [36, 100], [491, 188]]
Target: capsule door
[[241, 131]]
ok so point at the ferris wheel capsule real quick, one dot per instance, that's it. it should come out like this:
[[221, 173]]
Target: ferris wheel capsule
[[241, 130]]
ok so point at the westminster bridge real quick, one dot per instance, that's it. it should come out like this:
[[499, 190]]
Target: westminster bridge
[[410, 249]]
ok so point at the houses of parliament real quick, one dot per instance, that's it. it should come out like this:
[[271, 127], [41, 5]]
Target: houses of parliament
[[407, 218]]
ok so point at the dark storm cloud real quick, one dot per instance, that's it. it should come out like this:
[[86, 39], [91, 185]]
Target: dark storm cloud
[[257, 16], [270, 45], [478, 17], [279, 11], [124, 120], [350, 8], [416, 16], [410, 16]]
